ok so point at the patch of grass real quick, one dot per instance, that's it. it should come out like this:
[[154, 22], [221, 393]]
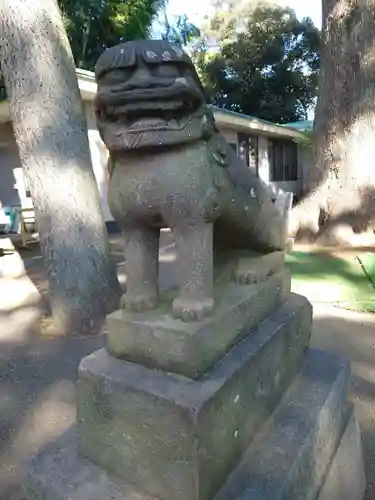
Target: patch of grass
[[343, 281], [367, 260]]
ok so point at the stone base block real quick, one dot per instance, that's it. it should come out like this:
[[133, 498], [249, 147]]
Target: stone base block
[[156, 340], [60, 473], [309, 448], [298, 452], [178, 437]]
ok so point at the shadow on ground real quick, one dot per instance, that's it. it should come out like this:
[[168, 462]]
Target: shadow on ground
[[37, 401], [37, 374]]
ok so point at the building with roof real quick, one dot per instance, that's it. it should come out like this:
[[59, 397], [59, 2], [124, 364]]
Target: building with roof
[[273, 151]]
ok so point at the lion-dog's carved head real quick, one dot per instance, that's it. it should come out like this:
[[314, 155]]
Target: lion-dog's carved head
[[149, 95]]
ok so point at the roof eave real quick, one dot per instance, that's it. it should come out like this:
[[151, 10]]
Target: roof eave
[[252, 125]]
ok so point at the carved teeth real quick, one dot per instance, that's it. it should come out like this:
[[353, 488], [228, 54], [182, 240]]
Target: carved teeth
[[146, 123], [153, 123]]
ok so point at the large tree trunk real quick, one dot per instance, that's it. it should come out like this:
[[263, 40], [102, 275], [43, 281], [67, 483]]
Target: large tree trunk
[[50, 130], [342, 182]]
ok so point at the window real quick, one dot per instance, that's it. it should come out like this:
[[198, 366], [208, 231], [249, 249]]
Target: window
[[248, 151], [283, 160], [253, 153], [243, 148]]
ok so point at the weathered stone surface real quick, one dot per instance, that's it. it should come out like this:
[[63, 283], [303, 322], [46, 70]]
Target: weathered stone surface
[[178, 437], [60, 473], [346, 478], [172, 168], [291, 455], [310, 448], [156, 340]]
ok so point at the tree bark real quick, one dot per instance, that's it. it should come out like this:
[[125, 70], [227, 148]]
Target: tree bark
[[341, 201], [51, 134]]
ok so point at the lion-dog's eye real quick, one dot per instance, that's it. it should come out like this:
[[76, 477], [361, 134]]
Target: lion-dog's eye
[[117, 76], [167, 70]]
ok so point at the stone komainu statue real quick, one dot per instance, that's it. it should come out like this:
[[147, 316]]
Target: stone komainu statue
[[173, 169]]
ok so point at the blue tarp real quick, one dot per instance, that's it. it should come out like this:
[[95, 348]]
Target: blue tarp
[[9, 220]]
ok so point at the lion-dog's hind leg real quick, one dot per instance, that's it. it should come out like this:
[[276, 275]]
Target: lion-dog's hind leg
[[141, 254]]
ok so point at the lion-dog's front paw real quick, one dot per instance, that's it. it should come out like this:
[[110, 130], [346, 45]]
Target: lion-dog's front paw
[[251, 276], [189, 309]]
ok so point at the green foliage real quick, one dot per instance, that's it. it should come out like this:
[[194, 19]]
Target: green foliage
[[181, 31], [266, 63], [94, 25]]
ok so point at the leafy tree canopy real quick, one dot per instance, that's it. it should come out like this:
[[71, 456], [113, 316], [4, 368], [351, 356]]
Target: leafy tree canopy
[[94, 25], [254, 57], [180, 31], [259, 59]]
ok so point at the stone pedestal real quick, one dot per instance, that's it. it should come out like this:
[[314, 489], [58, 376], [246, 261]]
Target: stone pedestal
[[234, 407], [155, 340]]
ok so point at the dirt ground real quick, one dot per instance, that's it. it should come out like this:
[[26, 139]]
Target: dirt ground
[[25, 282]]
